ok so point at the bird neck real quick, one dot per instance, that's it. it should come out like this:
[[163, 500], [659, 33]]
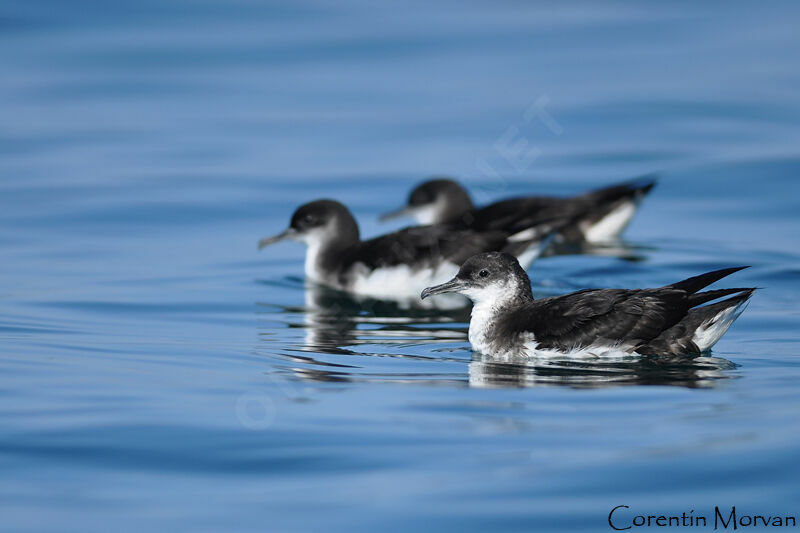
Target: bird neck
[[326, 250], [489, 310], [454, 206]]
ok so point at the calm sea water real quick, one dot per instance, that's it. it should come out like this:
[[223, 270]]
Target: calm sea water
[[158, 373]]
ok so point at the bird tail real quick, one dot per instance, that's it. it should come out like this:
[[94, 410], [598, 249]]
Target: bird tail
[[710, 322], [695, 283], [707, 296], [703, 326], [609, 210], [631, 190]]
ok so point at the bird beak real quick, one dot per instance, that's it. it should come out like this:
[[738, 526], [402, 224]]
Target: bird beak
[[290, 233], [454, 285], [397, 213]]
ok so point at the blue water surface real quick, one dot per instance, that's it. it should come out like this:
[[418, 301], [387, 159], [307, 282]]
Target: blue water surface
[[158, 373]]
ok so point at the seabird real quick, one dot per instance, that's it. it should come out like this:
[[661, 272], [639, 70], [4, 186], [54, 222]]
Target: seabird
[[507, 322], [597, 216], [395, 265]]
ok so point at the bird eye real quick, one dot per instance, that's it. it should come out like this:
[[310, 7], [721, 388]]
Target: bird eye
[[419, 198], [309, 219], [483, 273]]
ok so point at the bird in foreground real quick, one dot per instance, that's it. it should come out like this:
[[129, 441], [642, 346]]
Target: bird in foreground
[[507, 322], [597, 216], [395, 265]]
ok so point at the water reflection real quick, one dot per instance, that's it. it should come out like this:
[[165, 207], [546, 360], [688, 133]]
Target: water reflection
[[619, 248], [701, 372], [334, 322], [338, 324]]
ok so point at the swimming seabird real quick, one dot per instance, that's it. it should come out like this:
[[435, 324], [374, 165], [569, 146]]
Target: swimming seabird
[[507, 322], [597, 216], [398, 264]]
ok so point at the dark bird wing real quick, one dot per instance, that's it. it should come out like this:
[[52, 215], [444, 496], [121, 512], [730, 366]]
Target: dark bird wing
[[611, 315], [425, 246], [515, 214], [665, 316]]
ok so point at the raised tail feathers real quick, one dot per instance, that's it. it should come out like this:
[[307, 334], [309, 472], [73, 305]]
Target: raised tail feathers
[[703, 326], [631, 190], [707, 296], [695, 283], [714, 320], [611, 209]]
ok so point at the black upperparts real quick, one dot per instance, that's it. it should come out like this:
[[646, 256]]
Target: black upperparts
[[424, 246], [630, 190], [628, 317], [516, 214]]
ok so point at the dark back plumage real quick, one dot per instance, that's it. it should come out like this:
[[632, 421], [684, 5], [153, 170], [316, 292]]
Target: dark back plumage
[[660, 320], [516, 214], [424, 246]]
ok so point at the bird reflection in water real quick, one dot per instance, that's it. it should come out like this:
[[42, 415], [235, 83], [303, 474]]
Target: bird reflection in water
[[336, 324], [699, 372], [619, 248], [334, 320]]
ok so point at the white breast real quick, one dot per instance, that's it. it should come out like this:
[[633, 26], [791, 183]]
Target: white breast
[[399, 281], [311, 268], [488, 305], [481, 325]]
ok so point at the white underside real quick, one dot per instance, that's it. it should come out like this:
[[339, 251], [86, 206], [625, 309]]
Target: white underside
[[401, 280], [531, 254], [612, 225], [398, 282], [530, 233], [711, 331], [594, 351], [310, 268], [530, 350]]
